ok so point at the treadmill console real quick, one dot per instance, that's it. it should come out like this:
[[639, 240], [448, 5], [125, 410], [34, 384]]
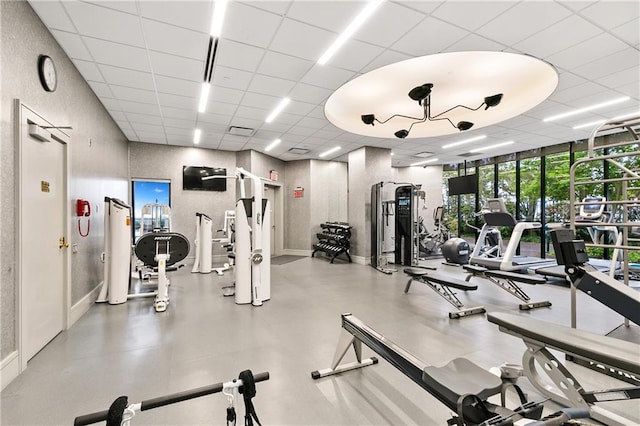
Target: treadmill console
[[592, 211]]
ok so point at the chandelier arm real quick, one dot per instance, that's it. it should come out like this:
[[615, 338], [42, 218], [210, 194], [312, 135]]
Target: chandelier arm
[[459, 106], [443, 118], [421, 120]]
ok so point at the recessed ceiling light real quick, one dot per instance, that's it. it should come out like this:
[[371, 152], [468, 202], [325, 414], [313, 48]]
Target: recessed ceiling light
[[278, 109], [588, 108], [273, 145], [217, 19], [329, 152], [598, 122], [196, 136], [489, 147], [462, 142], [204, 97], [420, 163], [350, 30]]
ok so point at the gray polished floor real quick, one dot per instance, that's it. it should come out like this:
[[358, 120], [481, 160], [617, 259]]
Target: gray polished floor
[[204, 338]]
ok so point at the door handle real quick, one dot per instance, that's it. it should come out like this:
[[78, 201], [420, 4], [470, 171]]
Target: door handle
[[62, 243]]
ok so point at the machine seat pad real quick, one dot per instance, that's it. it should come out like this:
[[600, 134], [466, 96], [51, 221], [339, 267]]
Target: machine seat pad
[[523, 278], [475, 269], [460, 377], [602, 349], [421, 275]]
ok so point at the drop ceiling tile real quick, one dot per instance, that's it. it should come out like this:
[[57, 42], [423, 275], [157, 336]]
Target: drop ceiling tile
[[212, 118], [124, 77], [327, 76], [523, 20], [578, 5], [89, 70], [587, 51], [178, 131], [332, 16], [475, 42], [611, 14], [178, 123], [313, 123], [264, 102], [284, 118], [629, 32], [107, 24], [287, 40], [176, 66], [224, 94], [556, 38], [631, 89], [238, 56], [128, 7], [111, 104], [118, 116], [213, 128], [284, 66], [249, 25], [177, 101], [275, 127], [278, 7], [180, 140], [233, 79], [318, 112], [158, 140], [155, 119], [429, 37], [569, 95], [270, 86], [221, 108], [72, 45], [471, 15], [246, 122], [53, 15], [119, 55], [623, 59], [177, 86], [566, 80], [310, 94], [355, 55], [296, 131], [383, 28], [148, 128], [300, 108], [385, 58], [135, 95], [140, 108], [327, 134], [193, 15], [183, 114], [161, 37], [101, 89]]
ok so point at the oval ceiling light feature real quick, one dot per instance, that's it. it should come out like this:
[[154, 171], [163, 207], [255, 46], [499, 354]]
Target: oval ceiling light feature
[[457, 79]]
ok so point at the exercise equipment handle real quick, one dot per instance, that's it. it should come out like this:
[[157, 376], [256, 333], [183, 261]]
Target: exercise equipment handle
[[161, 401]]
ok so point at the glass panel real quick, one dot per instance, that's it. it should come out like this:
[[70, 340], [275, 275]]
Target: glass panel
[[149, 192], [556, 209], [507, 191], [450, 203], [530, 205]]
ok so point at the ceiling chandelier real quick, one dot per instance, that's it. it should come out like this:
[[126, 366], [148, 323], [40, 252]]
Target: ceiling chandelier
[[422, 94]]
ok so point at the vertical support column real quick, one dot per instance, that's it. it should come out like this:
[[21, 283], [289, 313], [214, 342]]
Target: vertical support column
[[367, 166]]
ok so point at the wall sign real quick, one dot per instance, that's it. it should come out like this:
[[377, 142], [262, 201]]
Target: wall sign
[[298, 192]]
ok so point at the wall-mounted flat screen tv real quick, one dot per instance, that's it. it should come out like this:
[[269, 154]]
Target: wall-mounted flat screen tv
[[192, 178], [463, 185]]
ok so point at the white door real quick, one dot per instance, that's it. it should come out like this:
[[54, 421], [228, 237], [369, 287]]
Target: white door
[[42, 215], [269, 194]]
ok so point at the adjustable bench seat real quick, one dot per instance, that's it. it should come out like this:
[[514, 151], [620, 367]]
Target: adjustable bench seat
[[443, 285]]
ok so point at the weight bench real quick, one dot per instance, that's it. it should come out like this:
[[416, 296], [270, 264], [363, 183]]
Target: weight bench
[[540, 336], [507, 281], [461, 385], [442, 286]]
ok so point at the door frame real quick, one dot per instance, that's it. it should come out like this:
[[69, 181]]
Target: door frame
[[63, 138], [278, 221]]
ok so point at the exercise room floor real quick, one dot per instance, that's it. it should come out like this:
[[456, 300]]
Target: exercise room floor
[[204, 338]]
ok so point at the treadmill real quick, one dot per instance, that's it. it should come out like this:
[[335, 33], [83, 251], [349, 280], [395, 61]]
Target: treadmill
[[496, 215]]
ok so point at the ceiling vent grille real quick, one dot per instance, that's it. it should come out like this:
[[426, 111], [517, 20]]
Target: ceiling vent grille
[[241, 131], [468, 154], [297, 151], [424, 154]]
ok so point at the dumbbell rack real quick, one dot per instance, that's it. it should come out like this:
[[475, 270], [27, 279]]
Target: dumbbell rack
[[333, 240]]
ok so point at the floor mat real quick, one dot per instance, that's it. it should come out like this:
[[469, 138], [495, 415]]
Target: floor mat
[[281, 260]]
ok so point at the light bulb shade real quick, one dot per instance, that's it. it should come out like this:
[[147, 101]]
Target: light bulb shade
[[491, 101], [401, 134], [464, 125], [368, 118], [419, 93]]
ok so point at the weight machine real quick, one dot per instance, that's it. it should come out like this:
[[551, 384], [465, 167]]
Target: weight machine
[[252, 241], [204, 234]]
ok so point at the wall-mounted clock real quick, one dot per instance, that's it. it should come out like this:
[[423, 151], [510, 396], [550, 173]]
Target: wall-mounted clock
[[47, 73]]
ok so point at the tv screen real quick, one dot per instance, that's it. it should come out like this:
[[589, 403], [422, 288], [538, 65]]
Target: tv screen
[[463, 185], [192, 178]]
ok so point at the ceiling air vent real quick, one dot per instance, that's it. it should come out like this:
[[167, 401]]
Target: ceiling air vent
[[468, 154], [298, 151], [424, 154], [241, 131]]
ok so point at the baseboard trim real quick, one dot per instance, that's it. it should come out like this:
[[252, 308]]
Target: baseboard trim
[[83, 306], [361, 260], [9, 369]]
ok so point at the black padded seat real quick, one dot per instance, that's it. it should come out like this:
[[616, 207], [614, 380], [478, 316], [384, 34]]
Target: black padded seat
[[523, 278], [461, 377], [612, 352]]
